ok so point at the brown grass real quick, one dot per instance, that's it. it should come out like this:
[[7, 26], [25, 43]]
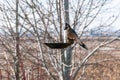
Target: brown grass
[[104, 64], [106, 68]]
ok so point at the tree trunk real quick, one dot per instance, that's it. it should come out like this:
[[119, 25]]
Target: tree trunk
[[67, 53], [17, 42]]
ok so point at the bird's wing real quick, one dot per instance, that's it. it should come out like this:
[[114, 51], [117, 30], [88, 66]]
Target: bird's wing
[[74, 33]]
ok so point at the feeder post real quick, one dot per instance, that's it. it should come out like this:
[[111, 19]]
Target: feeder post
[[67, 52]]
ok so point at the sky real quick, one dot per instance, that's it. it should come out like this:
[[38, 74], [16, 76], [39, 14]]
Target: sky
[[116, 3], [108, 16]]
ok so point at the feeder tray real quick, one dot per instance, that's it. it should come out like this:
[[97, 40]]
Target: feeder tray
[[58, 45]]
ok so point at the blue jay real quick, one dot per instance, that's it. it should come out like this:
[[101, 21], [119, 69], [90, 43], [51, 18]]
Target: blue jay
[[71, 35]]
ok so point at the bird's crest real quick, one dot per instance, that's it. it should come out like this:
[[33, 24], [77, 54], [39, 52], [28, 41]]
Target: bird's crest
[[67, 26]]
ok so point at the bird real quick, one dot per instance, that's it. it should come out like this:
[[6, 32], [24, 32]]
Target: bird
[[72, 35]]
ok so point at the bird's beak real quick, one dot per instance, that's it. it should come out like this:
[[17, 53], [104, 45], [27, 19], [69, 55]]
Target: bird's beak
[[66, 26]]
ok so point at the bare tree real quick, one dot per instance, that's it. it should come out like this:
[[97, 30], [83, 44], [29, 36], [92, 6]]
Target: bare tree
[[36, 22], [17, 44]]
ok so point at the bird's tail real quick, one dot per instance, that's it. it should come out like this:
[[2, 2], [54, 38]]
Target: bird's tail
[[83, 45]]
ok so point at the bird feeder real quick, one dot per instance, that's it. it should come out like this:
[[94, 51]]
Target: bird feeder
[[60, 45]]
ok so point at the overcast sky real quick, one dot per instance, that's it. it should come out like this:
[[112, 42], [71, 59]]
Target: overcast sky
[[116, 3], [108, 15]]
